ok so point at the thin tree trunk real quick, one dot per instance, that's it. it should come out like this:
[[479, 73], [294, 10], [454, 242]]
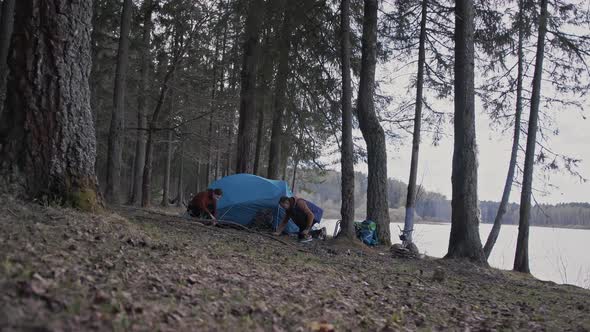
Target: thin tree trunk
[[276, 137], [347, 152], [199, 175], [168, 166], [115, 145], [247, 122], [217, 148], [377, 207], [6, 26], [411, 196], [295, 165], [521, 260], [464, 240], [259, 134], [142, 104], [180, 185], [147, 171], [493, 236], [47, 142], [212, 106]]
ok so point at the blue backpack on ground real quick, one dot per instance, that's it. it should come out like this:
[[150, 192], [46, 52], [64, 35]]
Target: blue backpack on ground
[[366, 231]]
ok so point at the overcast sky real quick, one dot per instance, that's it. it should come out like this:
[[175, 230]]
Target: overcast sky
[[434, 171]]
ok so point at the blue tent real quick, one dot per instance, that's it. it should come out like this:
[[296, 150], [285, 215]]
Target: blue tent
[[246, 194]]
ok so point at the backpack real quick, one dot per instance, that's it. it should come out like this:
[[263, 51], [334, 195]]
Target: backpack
[[366, 231]]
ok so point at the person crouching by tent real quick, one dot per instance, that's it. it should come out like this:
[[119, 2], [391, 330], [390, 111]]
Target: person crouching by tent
[[297, 210], [204, 205]]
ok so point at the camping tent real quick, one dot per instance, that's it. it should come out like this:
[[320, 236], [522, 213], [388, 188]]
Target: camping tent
[[246, 194]]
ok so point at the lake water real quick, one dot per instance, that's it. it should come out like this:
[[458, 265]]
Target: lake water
[[558, 254]]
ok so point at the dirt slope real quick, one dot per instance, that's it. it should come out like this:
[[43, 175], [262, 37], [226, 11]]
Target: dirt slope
[[140, 270]]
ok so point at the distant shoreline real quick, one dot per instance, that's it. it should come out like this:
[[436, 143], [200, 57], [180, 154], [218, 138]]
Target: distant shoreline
[[430, 222], [485, 223]]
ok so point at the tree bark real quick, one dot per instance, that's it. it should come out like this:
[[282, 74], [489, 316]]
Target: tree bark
[[377, 207], [247, 117], [493, 236], [6, 26], [411, 195], [180, 184], [347, 153], [147, 170], [142, 104], [521, 260], [47, 138], [115, 144], [168, 167], [464, 240], [276, 137]]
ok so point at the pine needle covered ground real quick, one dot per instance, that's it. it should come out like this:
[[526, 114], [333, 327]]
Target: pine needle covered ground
[[141, 270]]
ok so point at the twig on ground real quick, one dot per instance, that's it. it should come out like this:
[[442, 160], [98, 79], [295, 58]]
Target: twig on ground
[[10, 211]]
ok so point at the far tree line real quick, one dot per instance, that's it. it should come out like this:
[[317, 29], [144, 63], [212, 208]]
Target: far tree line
[[154, 99]]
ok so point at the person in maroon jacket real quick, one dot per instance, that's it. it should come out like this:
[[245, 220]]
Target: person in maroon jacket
[[204, 204], [297, 210]]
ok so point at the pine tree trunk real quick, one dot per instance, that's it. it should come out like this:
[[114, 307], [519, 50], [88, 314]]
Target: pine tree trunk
[[168, 167], [411, 195], [347, 152], [259, 134], [247, 117], [464, 240], [276, 136], [6, 26], [142, 104], [217, 154], [377, 207], [521, 260], [115, 145], [493, 236], [147, 170], [180, 184], [209, 148], [47, 138]]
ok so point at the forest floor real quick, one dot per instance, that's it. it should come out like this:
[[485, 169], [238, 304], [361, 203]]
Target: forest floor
[[133, 269]]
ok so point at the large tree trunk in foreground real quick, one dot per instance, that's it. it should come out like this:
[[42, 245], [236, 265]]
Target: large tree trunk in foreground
[[6, 25], [411, 197], [247, 118], [347, 153], [115, 147], [521, 260], [47, 139], [276, 136], [377, 207], [142, 104], [464, 240], [493, 236]]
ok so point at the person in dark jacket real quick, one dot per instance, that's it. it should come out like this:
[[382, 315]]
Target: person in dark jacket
[[204, 204], [297, 210]]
